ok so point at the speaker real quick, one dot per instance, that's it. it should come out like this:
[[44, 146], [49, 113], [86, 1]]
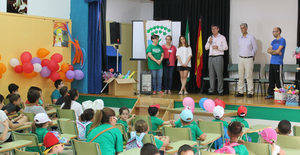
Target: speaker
[[115, 35]]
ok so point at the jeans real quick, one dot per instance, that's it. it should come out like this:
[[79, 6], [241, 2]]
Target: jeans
[[168, 77], [156, 79]]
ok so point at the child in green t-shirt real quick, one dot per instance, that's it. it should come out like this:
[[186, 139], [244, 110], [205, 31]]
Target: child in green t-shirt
[[234, 132], [156, 122], [124, 117], [242, 112], [218, 115]]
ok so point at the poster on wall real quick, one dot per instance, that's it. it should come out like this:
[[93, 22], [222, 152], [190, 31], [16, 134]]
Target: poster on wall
[[17, 6], [60, 35], [160, 28]]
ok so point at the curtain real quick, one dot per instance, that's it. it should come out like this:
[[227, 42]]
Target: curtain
[[210, 12], [96, 44], [298, 40]]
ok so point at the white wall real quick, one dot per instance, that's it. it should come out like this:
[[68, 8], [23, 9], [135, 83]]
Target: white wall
[[262, 16], [46, 8], [125, 11]]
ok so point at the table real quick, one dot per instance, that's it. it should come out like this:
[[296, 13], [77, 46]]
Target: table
[[291, 151], [68, 136], [210, 138], [176, 145], [51, 111], [255, 128], [201, 112], [9, 146]]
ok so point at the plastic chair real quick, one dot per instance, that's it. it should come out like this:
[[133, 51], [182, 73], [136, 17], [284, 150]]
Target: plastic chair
[[30, 116], [291, 142], [123, 131], [131, 151], [265, 80], [67, 127], [185, 133], [256, 69], [212, 127], [66, 113], [289, 68], [19, 152], [148, 138], [210, 153], [296, 130], [258, 148], [80, 147], [146, 118], [31, 137]]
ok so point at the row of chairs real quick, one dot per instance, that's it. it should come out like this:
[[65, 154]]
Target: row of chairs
[[261, 81]]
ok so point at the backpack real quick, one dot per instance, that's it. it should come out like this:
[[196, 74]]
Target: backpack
[[135, 141], [227, 148]]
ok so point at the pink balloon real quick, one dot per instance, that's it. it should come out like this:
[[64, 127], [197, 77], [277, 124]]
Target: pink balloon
[[209, 105], [189, 103]]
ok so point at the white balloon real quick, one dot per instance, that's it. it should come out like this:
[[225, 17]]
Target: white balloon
[[14, 62], [37, 67]]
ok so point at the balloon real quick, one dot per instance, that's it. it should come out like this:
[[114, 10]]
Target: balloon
[[14, 62], [42, 53], [79, 75], [28, 67], [62, 75], [37, 67], [68, 80], [45, 72], [71, 67], [54, 76], [201, 103], [26, 57], [30, 75], [45, 62], [0, 76], [70, 74], [2, 68], [189, 103], [64, 67], [36, 60], [57, 57], [219, 102], [209, 105], [53, 66], [18, 69]]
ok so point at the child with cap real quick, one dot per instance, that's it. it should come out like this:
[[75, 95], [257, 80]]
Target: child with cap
[[186, 117], [218, 115], [153, 111], [269, 136], [242, 112], [39, 127], [52, 144], [284, 127]]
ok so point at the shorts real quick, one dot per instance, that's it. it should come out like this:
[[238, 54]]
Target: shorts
[[180, 68]]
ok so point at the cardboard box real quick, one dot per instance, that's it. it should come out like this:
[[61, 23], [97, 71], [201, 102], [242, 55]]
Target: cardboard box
[[121, 87]]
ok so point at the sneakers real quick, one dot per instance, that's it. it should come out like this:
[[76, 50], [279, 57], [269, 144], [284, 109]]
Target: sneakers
[[154, 93], [249, 95], [269, 97], [211, 93], [161, 92], [239, 95], [221, 94]]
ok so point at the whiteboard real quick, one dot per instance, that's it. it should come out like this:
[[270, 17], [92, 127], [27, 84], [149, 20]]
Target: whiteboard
[[138, 38]]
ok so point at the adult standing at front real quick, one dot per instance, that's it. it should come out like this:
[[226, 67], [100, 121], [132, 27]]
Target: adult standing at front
[[277, 53], [248, 48], [216, 44], [184, 55], [155, 55], [168, 63]]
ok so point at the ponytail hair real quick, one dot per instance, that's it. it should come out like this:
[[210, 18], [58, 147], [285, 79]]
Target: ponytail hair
[[87, 115], [102, 117], [72, 94]]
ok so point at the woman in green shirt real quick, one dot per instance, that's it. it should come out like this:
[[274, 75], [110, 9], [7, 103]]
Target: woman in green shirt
[[155, 55], [103, 132]]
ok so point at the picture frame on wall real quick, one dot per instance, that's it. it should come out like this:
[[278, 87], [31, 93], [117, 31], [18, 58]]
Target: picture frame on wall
[[17, 6]]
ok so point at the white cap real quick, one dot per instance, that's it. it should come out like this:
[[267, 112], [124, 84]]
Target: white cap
[[41, 118], [218, 112]]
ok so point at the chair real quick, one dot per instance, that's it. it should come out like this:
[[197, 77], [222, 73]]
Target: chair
[[19, 152], [210, 153], [148, 138], [146, 118], [80, 147], [172, 133], [68, 127], [6, 101], [256, 69], [296, 130], [123, 131], [30, 116], [31, 137], [291, 142], [213, 130], [289, 68], [265, 80], [258, 148], [66, 113], [131, 151]]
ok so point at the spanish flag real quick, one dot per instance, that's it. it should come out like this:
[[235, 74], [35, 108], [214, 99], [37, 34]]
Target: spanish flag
[[199, 56]]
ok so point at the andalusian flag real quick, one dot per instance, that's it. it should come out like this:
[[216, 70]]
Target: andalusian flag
[[199, 57], [187, 32]]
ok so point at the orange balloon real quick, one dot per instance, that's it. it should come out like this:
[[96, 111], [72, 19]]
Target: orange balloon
[[64, 67], [67, 80], [0, 75], [62, 75], [42, 53], [2, 68], [30, 75]]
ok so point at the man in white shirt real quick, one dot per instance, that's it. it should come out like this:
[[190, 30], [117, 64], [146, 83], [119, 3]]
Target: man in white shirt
[[247, 52], [216, 44]]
